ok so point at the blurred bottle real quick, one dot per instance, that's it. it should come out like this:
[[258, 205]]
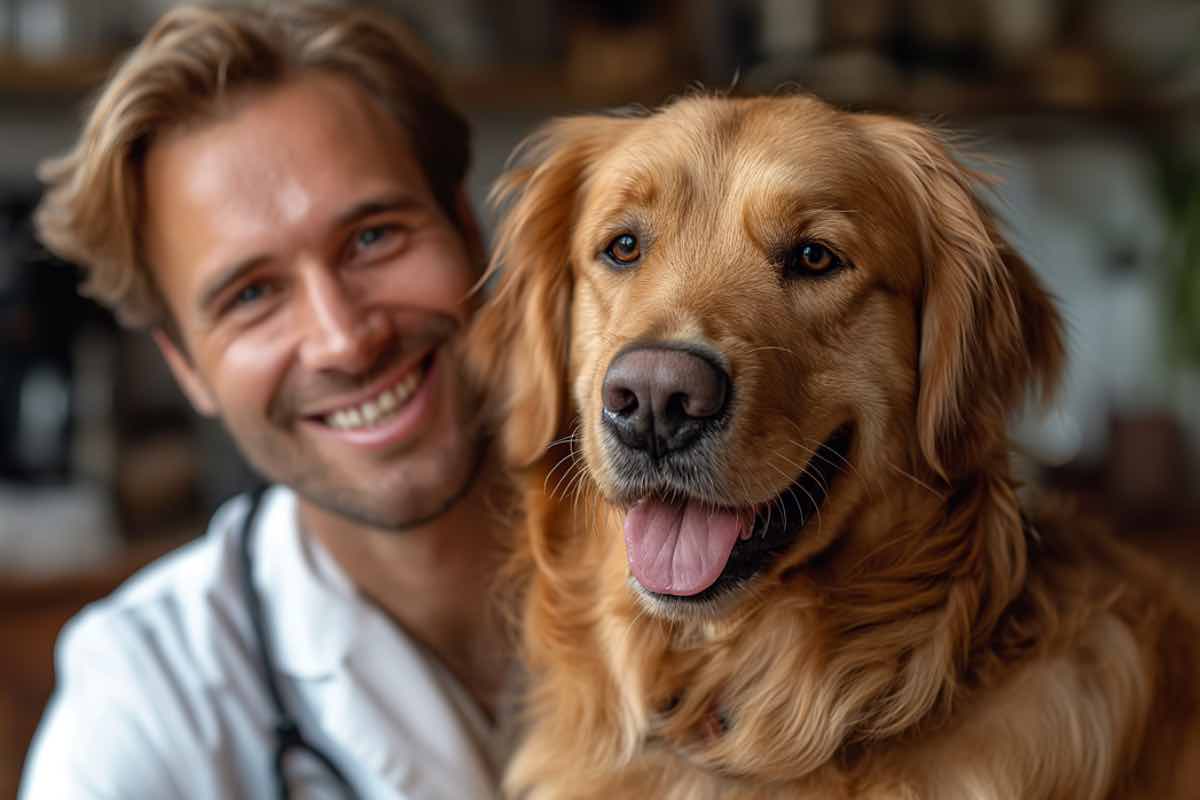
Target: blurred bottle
[[56, 383], [40, 317]]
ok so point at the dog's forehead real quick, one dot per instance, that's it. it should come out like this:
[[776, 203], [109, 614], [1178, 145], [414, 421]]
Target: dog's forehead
[[735, 148]]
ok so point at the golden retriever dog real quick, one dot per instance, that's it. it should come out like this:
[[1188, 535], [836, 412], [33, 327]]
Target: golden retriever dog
[[753, 360]]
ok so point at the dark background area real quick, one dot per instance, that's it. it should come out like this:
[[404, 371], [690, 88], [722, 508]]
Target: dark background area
[[1089, 112]]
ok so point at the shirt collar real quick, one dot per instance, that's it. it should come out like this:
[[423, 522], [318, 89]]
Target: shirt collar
[[312, 610]]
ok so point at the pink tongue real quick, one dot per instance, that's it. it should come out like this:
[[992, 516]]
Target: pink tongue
[[678, 548]]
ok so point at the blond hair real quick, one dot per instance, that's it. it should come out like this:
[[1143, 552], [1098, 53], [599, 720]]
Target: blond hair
[[185, 70]]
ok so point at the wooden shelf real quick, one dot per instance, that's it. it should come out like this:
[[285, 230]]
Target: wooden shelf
[[503, 87], [70, 75], [552, 89]]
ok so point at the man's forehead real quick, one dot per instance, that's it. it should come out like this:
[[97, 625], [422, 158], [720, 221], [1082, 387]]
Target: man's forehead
[[311, 123], [318, 143]]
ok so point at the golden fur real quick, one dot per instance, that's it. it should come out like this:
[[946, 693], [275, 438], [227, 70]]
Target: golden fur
[[924, 636]]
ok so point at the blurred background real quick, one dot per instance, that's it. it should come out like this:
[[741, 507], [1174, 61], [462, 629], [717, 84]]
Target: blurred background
[[1088, 111]]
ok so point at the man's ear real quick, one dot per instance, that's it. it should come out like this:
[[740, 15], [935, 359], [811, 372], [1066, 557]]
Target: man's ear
[[193, 386], [989, 331], [518, 345]]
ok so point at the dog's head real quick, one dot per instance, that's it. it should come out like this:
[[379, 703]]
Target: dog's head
[[746, 313]]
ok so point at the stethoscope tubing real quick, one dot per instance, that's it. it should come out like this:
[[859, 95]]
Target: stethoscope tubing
[[289, 738]]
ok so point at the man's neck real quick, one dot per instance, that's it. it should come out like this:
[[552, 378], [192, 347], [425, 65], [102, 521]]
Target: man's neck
[[435, 580]]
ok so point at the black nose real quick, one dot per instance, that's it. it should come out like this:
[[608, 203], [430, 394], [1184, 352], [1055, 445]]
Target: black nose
[[660, 399]]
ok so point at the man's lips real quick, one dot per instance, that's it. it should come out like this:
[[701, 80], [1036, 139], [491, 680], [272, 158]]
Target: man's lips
[[404, 423], [384, 394]]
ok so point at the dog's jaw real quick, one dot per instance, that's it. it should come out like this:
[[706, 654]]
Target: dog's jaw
[[771, 529]]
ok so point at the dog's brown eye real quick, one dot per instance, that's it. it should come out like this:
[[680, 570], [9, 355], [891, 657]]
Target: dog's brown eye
[[811, 258], [624, 250]]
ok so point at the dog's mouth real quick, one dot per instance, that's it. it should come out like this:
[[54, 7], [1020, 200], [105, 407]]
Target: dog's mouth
[[686, 549]]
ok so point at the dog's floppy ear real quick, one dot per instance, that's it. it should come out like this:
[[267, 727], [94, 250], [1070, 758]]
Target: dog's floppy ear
[[989, 331], [518, 346]]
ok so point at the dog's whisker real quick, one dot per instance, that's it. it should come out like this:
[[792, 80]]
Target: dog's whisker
[[745, 487], [916, 480], [567, 477], [573, 471], [564, 476], [842, 465], [592, 505], [570, 457], [766, 347], [780, 499], [571, 437], [815, 505], [577, 486], [767, 522], [579, 490], [812, 500], [821, 448], [578, 475], [804, 470], [816, 454]]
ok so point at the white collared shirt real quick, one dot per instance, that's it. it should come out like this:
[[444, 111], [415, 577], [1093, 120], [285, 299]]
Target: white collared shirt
[[161, 695]]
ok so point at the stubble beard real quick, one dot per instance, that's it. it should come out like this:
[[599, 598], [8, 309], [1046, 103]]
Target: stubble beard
[[429, 497], [358, 506]]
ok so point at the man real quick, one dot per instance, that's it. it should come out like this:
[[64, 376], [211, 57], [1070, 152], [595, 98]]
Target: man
[[278, 195]]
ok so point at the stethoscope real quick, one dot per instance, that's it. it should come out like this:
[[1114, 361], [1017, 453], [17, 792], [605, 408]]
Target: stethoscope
[[289, 739]]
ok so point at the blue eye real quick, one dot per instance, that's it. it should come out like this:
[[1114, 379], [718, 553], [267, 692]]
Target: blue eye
[[249, 294], [368, 237]]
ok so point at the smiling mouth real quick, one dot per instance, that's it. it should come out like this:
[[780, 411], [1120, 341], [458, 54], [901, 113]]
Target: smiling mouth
[[388, 401], [686, 550]]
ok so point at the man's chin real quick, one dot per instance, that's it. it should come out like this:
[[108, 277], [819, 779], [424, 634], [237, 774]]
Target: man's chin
[[413, 502]]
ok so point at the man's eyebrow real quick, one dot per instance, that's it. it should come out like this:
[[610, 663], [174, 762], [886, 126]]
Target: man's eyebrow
[[379, 205], [227, 277]]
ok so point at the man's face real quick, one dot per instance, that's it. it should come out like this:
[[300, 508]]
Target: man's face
[[318, 289]]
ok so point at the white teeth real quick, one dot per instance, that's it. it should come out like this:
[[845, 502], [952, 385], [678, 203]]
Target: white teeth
[[382, 405]]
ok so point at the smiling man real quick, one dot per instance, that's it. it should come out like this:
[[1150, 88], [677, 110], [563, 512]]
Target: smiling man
[[278, 196]]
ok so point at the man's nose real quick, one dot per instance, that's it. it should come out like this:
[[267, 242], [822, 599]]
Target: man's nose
[[343, 332]]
